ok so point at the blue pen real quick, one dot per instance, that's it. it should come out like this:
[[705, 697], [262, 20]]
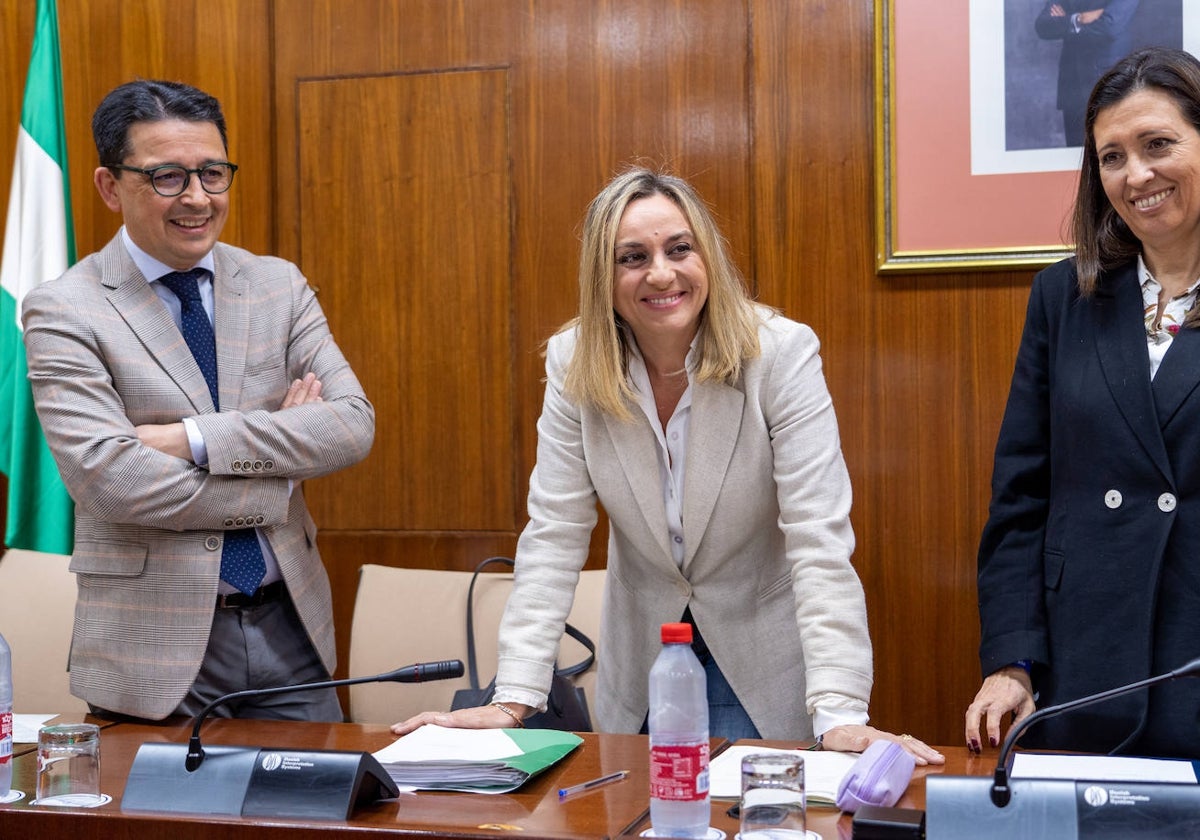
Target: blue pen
[[563, 793]]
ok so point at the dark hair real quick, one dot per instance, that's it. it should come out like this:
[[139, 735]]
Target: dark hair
[[148, 100], [1102, 239]]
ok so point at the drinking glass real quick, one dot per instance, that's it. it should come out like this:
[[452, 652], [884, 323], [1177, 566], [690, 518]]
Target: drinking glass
[[773, 803], [69, 765]]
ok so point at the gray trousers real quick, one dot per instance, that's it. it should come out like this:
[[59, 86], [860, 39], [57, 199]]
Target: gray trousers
[[261, 647], [257, 647]]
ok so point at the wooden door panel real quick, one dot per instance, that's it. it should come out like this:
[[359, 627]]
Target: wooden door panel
[[404, 228]]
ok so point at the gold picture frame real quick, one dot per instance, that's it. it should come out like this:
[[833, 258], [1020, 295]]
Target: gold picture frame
[[935, 63]]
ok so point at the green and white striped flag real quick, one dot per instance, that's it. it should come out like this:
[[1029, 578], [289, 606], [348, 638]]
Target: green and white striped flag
[[39, 244]]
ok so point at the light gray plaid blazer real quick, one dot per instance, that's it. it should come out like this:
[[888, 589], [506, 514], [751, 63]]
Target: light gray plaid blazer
[[104, 356]]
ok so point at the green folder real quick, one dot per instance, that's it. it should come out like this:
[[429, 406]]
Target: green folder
[[534, 751]]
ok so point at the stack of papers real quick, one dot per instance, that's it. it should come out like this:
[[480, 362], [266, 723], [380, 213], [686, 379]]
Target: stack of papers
[[823, 772], [473, 760]]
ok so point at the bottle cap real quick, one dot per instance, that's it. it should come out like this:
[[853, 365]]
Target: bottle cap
[[677, 633]]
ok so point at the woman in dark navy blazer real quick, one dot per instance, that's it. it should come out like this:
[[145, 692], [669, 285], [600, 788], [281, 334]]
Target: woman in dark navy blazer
[[1089, 566]]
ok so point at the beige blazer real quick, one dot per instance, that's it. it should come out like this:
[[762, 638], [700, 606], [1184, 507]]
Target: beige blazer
[[767, 538], [104, 355]]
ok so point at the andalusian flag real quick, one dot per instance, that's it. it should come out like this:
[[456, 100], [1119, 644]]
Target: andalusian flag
[[39, 244]]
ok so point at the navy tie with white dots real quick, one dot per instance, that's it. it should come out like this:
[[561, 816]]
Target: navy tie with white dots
[[242, 562]]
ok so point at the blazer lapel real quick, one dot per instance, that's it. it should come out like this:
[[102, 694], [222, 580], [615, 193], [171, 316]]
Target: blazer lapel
[[1178, 375], [231, 324], [637, 451], [1121, 345], [712, 435], [150, 321]]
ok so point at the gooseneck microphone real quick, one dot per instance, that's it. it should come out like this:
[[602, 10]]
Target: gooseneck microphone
[[1001, 791], [421, 672]]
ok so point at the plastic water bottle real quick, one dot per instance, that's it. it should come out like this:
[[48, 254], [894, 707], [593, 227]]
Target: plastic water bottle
[[678, 738], [6, 719]]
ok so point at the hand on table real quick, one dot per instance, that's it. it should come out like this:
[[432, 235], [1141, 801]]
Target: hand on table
[[1004, 691], [858, 738], [476, 717]]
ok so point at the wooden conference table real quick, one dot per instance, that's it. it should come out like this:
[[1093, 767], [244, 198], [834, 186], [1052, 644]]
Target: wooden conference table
[[534, 811]]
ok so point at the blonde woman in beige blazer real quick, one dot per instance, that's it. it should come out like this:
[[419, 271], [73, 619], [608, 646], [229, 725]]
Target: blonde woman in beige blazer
[[744, 531]]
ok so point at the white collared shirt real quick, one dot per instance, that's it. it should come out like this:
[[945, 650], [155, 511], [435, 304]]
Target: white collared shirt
[[153, 269]]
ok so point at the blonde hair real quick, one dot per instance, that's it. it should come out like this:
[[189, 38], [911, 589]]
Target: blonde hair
[[598, 371]]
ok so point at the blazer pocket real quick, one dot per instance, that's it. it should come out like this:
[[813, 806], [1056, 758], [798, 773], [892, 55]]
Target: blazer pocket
[[773, 588], [1052, 568], [124, 559]]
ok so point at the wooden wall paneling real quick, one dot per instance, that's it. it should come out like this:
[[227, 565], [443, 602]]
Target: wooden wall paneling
[[16, 30], [405, 229], [408, 324], [220, 46], [316, 39]]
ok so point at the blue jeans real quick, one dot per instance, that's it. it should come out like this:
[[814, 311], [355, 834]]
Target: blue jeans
[[727, 717]]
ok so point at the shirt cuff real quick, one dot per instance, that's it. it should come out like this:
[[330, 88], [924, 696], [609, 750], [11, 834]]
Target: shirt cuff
[[532, 699], [196, 442], [826, 718]]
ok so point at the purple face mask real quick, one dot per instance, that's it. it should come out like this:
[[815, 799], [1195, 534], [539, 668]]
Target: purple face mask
[[879, 777]]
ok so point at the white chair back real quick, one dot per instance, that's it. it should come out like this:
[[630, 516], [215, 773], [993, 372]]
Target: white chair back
[[39, 593]]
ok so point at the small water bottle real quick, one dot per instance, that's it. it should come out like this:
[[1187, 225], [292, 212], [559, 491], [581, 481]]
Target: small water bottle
[[678, 738], [6, 719]]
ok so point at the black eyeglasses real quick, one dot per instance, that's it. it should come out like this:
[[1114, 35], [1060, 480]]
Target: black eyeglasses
[[170, 179]]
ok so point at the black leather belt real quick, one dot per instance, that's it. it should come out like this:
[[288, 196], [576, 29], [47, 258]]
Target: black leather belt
[[276, 591]]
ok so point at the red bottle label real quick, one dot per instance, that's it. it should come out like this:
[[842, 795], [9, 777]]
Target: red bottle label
[[5, 737], [679, 773]]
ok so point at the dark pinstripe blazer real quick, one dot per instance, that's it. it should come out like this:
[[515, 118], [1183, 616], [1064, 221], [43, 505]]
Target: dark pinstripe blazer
[[104, 356]]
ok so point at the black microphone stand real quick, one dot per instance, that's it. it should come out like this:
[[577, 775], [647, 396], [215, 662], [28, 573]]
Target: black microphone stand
[[266, 781], [1001, 791], [448, 669]]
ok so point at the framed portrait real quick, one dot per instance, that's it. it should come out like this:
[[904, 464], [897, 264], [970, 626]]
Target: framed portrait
[[979, 123]]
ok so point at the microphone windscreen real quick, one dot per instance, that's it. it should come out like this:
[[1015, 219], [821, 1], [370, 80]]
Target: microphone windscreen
[[426, 671]]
